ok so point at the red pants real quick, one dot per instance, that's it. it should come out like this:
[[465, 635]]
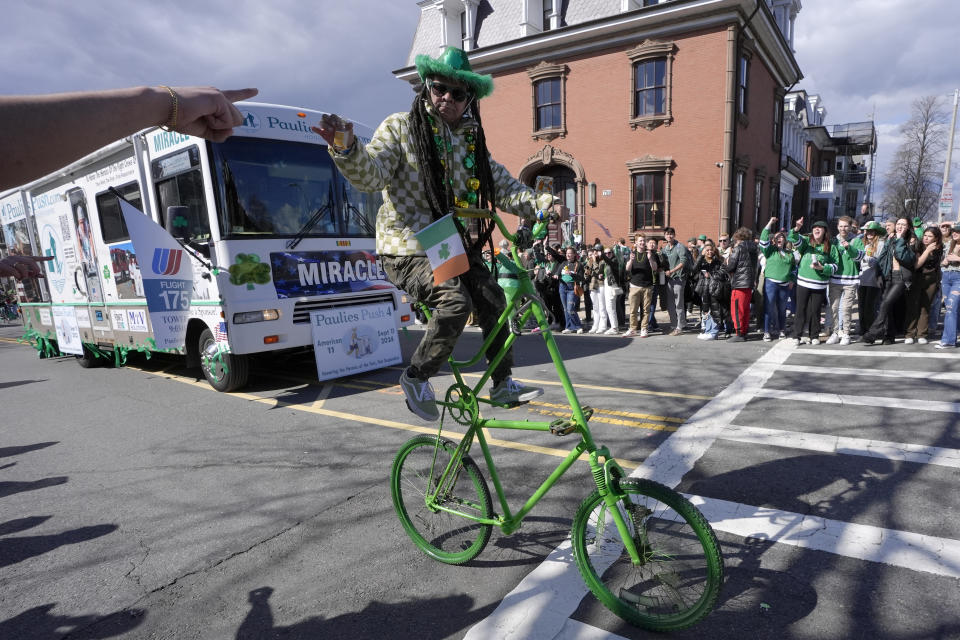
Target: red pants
[[740, 310]]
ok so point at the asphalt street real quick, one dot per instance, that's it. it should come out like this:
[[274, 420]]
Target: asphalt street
[[137, 502]]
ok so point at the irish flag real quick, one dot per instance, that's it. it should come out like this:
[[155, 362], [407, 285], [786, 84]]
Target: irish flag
[[444, 248]]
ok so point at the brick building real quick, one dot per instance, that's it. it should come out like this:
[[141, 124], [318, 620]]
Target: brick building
[[645, 114]]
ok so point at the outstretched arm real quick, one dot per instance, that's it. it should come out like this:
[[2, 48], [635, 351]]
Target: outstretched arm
[[43, 133]]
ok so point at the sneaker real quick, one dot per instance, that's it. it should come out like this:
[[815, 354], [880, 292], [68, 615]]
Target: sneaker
[[737, 338], [510, 391], [643, 333], [767, 338], [580, 330], [868, 338], [833, 339], [421, 399], [940, 345], [630, 334], [922, 341], [815, 341], [804, 340], [795, 341], [566, 331], [676, 332], [844, 341], [889, 341], [611, 332], [908, 341], [782, 335], [707, 336]]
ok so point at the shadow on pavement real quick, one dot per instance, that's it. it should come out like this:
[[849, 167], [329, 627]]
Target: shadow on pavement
[[14, 550], [412, 620], [39, 624]]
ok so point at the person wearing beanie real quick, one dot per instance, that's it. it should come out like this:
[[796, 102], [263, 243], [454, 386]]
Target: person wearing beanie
[[427, 162], [869, 290], [813, 278]]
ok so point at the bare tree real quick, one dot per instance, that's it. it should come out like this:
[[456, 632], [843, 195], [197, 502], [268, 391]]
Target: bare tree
[[916, 172]]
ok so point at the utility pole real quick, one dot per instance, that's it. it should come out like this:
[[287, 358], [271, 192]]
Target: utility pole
[[946, 168]]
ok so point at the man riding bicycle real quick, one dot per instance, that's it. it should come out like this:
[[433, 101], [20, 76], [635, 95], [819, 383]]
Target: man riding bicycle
[[428, 161]]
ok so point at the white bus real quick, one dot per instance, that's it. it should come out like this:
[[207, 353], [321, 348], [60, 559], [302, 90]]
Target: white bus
[[275, 233]]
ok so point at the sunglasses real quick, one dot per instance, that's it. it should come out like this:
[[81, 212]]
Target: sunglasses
[[439, 90]]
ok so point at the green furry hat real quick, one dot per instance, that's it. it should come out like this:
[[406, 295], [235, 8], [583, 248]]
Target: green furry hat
[[453, 64]]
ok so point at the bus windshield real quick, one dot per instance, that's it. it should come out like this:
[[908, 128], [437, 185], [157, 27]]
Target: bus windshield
[[287, 189]]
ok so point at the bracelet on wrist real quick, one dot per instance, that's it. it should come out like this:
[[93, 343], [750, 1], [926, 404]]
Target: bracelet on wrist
[[174, 114]]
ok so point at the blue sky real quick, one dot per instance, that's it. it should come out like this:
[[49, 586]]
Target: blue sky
[[861, 56]]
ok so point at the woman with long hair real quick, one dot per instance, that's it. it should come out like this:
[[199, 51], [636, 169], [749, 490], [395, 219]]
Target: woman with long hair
[[714, 290], [612, 288], [926, 281], [568, 277], [778, 280], [870, 289], [950, 285], [896, 264], [813, 276], [593, 273]]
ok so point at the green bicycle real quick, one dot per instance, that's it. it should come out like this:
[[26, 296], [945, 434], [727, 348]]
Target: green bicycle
[[642, 548]]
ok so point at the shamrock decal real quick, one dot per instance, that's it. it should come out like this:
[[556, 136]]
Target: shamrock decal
[[106, 272], [444, 252], [249, 270]]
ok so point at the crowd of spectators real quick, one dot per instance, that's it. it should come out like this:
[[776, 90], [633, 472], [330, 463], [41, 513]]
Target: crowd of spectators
[[836, 285]]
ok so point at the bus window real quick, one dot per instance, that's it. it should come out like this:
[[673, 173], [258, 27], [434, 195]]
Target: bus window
[[178, 182], [279, 188], [112, 227]]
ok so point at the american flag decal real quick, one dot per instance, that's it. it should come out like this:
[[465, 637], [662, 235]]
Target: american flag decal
[[220, 332]]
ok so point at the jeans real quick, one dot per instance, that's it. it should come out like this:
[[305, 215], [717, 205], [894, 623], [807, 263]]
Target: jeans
[[569, 300], [950, 284], [842, 299], [775, 309]]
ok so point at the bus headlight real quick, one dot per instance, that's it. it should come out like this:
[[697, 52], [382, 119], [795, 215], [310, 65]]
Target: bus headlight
[[247, 317]]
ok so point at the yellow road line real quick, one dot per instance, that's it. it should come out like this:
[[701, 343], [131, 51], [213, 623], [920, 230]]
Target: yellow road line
[[596, 418], [556, 383], [614, 412], [392, 424]]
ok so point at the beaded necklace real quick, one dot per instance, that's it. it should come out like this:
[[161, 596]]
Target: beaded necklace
[[469, 197]]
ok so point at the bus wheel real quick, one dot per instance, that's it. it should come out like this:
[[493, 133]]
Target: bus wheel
[[88, 360], [224, 371]]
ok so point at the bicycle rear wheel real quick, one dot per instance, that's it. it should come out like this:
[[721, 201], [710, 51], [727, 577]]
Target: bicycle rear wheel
[[678, 579], [443, 536]]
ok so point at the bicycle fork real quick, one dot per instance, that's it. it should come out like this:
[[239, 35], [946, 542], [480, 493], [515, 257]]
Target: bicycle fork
[[621, 509]]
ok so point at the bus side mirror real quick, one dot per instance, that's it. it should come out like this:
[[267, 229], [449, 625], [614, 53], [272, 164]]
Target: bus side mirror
[[177, 223]]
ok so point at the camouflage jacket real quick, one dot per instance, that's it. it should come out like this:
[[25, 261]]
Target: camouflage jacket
[[388, 162]]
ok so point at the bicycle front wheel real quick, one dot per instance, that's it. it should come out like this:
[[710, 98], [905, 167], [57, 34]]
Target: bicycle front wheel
[[444, 536], [678, 579]]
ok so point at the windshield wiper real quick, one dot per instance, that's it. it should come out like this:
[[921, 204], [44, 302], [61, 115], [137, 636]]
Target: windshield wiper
[[357, 215], [314, 219]]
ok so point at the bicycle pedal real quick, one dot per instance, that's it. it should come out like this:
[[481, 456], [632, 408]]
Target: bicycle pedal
[[562, 427]]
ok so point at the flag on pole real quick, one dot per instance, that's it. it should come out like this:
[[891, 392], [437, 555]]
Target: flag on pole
[[441, 240], [167, 283]]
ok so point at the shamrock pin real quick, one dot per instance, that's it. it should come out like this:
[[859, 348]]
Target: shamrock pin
[[249, 270], [444, 252]]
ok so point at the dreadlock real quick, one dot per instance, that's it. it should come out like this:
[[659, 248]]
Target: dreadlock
[[440, 194]]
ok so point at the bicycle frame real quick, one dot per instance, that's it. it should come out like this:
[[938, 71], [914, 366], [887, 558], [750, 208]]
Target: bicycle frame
[[462, 402]]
